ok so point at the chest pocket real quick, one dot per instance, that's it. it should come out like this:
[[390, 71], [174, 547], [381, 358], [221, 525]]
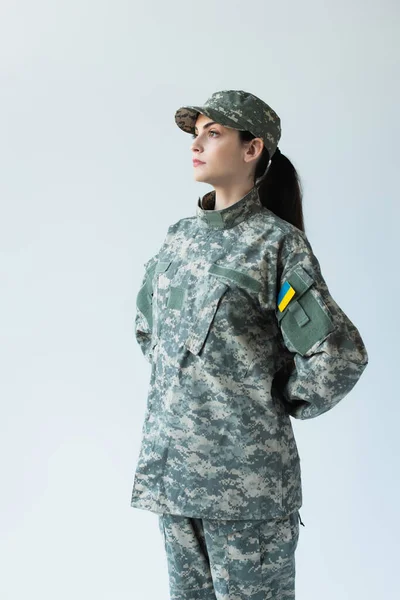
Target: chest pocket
[[167, 295], [163, 273], [162, 266], [208, 308], [220, 279], [306, 320], [172, 294], [236, 277]]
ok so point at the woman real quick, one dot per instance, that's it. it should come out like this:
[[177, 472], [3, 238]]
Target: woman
[[241, 332]]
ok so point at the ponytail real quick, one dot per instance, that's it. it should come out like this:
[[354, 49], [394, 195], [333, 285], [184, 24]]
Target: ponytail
[[279, 187]]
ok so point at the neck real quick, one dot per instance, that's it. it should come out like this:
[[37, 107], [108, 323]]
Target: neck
[[235, 213], [226, 196]]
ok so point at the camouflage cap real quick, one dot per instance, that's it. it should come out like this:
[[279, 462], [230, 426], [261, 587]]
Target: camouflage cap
[[239, 110]]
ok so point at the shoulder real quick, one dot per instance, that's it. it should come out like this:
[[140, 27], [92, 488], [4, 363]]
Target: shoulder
[[181, 226], [284, 236]]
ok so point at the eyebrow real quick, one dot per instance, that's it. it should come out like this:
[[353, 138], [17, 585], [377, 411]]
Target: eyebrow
[[207, 125]]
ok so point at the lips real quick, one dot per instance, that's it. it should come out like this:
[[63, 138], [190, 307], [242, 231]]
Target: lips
[[198, 162]]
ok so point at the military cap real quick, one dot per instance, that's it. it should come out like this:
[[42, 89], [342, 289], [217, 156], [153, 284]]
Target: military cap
[[236, 109]]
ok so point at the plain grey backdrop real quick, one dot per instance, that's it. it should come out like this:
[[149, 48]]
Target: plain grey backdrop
[[93, 171]]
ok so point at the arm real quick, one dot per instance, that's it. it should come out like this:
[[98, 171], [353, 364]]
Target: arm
[[328, 353], [144, 308], [143, 322]]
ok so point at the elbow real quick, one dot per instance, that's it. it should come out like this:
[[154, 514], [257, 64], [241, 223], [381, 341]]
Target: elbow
[[320, 391]]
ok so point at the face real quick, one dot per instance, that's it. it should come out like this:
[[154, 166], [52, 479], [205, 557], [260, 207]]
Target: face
[[226, 160]]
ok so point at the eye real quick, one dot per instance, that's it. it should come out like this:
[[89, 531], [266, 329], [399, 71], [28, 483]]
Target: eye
[[194, 135]]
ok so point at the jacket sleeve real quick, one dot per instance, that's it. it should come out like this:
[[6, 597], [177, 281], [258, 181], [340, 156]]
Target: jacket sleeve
[[143, 321], [327, 353]]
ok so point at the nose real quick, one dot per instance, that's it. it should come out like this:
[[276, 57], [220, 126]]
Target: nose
[[194, 145]]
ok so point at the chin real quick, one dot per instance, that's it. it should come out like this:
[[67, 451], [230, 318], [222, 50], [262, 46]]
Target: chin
[[199, 177]]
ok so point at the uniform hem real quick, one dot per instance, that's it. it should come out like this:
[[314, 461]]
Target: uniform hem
[[207, 514]]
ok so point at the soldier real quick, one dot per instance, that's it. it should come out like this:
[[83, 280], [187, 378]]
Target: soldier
[[242, 333]]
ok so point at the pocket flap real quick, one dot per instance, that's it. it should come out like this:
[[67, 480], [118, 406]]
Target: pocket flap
[[162, 265], [300, 281], [230, 527], [201, 326], [238, 277]]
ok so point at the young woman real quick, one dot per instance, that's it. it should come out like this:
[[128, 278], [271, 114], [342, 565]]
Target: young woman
[[241, 332]]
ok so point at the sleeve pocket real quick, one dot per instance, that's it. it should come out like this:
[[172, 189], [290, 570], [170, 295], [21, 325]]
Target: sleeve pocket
[[306, 320]]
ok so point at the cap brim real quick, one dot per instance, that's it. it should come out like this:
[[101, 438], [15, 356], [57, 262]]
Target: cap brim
[[186, 116]]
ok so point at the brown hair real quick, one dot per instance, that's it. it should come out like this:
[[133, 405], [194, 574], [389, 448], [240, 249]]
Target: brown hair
[[280, 190]]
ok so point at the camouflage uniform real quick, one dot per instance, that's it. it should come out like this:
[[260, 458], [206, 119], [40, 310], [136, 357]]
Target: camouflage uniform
[[241, 332], [230, 560]]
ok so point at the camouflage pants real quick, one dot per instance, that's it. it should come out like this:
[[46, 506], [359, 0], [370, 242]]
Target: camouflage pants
[[230, 560]]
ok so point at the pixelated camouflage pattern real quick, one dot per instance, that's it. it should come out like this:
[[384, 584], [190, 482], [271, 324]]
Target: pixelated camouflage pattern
[[239, 110], [225, 559], [228, 369]]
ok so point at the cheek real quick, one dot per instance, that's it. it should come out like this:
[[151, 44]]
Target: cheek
[[223, 156]]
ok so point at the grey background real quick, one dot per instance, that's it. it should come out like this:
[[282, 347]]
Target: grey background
[[93, 170]]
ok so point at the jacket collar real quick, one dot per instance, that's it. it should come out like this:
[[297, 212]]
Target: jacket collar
[[230, 216]]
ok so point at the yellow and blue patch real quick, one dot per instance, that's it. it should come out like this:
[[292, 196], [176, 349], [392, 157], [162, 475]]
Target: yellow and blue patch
[[285, 295]]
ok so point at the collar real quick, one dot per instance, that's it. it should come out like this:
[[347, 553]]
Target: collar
[[229, 216]]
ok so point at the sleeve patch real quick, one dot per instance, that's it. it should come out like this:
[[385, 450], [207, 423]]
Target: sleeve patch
[[285, 295]]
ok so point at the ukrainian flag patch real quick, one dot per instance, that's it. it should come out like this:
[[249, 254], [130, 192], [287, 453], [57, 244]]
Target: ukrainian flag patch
[[285, 295]]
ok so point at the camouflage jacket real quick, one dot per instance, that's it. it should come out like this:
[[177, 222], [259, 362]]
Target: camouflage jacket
[[241, 332]]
